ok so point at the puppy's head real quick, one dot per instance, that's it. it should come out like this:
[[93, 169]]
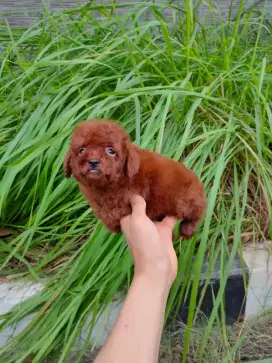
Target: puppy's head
[[100, 153]]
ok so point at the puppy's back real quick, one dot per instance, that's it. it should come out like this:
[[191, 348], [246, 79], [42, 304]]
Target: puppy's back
[[166, 173], [171, 189]]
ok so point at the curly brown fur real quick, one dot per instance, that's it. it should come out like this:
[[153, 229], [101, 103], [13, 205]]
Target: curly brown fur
[[109, 169]]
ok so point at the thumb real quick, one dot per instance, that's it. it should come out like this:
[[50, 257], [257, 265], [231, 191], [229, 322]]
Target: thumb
[[138, 205], [169, 222]]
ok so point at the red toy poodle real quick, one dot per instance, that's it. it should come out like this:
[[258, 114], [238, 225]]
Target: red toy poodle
[[109, 169]]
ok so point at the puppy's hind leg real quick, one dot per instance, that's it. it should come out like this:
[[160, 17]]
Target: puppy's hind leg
[[192, 213], [187, 228]]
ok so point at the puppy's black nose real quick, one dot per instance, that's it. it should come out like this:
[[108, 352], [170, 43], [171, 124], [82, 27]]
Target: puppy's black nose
[[93, 164]]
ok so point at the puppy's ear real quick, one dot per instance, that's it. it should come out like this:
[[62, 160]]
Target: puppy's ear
[[67, 165], [132, 161]]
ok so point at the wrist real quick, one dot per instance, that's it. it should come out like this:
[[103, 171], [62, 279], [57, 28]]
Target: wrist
[[153, 281]]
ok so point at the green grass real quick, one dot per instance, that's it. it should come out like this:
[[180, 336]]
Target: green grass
[[196, 93], [255, 348]]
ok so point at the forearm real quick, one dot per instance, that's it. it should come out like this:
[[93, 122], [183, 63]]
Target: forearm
[[137, 333]]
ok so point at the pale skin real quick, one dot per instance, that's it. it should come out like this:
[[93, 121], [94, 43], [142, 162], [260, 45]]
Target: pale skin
[[137, 332]]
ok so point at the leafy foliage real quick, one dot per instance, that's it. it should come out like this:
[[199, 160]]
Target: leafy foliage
[[196, 93]]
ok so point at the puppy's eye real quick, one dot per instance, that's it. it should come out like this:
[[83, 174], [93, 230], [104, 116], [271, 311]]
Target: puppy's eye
[[110, 151], [81, 150]]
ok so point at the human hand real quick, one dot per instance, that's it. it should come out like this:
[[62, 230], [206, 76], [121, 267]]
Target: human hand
[[150, 243]]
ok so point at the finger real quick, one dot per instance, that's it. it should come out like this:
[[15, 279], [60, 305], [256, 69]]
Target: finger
[[169, 222], [138, 205], [124, 222]]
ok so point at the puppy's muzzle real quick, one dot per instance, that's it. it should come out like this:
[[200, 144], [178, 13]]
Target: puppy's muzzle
[[93, 164]]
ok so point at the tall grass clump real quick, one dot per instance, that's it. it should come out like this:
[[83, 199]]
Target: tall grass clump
[[196, 93]]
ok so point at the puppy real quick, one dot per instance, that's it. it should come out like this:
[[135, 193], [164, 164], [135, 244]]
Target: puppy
[[109, 169]]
